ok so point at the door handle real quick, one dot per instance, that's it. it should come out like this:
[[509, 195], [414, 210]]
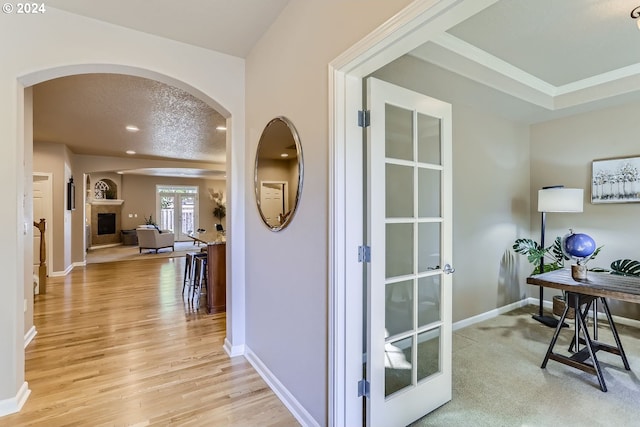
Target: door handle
[[448, 269]]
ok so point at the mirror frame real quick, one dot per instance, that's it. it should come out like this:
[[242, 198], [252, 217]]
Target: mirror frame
[[296, 138]]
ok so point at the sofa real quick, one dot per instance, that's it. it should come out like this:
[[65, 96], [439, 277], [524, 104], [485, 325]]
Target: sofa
[[152, 238]]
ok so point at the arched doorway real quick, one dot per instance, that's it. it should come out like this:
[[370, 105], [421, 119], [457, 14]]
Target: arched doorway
[[235, 181]]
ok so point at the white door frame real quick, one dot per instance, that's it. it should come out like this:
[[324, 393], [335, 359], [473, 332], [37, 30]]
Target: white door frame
[[419, 22]]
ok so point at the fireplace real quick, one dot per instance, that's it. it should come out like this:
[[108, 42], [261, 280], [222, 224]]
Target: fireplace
[[106, 223], [106, 216]]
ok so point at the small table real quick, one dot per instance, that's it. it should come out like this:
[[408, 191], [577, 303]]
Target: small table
[[585, 292]]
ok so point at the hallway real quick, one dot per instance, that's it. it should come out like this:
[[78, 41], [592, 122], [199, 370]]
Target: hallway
[[117, 345]]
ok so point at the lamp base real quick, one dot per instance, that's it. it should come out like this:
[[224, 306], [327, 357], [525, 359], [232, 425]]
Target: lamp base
[[549, 321]]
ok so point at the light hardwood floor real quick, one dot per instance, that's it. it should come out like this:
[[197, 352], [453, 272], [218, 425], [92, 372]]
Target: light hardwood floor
[[118, 346]]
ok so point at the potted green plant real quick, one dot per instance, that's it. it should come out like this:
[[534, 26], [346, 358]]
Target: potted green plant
[[219, 211], [534, 252], [149, 221], [556, 257], [219, 208]]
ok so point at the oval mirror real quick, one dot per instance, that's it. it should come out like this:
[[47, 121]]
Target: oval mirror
[[278, 173]]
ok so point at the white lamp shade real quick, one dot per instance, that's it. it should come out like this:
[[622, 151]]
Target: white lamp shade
[[560, 200]]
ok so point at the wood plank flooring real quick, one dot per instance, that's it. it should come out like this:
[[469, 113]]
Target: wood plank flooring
[[118, 346]]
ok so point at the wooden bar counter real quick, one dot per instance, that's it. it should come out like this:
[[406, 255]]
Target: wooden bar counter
[[216, 277]]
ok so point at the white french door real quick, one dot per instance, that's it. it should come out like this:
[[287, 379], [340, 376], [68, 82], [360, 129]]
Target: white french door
[[178, 210], [408, 215]]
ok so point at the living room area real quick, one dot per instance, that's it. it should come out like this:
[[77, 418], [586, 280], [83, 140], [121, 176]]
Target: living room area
[[113, 205]]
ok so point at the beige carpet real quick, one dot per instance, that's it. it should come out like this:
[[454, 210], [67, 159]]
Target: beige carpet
[[497, 379], [127, 253]]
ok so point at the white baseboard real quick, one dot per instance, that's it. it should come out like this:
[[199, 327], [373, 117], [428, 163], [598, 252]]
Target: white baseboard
[[62, 273], [233, 351], [491, 314], [281, 391], [106, 245], [29, 336], [14, 404]]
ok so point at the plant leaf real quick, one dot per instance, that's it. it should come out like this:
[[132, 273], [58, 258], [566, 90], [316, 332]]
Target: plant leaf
[[625, 267], [558, 254], [525, 246]]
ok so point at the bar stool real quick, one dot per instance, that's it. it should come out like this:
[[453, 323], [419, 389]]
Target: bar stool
[[189, 269], [199, 277]]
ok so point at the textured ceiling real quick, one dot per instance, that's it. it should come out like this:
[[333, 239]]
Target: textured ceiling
[[89, 113]]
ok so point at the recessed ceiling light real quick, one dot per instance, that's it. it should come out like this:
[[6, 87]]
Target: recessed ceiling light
[[132, 128], [130, 152], [284, 155], [221, 128], [120, 173]]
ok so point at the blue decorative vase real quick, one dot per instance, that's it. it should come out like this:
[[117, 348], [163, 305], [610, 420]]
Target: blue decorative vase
[[578, 245]]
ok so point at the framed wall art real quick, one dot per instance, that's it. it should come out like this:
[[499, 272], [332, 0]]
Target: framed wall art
[[615, 180], [71, 195]]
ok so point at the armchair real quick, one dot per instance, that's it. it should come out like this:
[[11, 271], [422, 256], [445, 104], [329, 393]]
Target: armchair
[[151, 238]]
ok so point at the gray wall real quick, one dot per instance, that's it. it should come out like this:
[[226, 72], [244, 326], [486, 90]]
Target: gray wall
[[51, 158], [561, 153], [286, 281]]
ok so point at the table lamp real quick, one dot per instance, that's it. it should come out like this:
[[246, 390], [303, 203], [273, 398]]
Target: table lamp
[[555, 199]]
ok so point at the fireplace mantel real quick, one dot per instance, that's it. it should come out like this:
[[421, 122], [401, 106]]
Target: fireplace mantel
[[103, 202]]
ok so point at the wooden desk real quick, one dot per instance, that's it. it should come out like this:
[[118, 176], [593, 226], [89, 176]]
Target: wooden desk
[[582, 294], [605, 285]]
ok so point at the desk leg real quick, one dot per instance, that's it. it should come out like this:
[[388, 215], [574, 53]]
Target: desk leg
[[595, 319], [577, 360], [582, 325], [555, 336], [576, 338], [614, 331]]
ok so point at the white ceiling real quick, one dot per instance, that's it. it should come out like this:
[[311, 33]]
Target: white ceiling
[[227, 26], [527, 60]]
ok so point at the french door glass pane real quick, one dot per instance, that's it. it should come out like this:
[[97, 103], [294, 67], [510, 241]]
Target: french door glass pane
[[187, 204], [428, 353], [399, 250], [398, 133], [398, 371], [398, 307], [167, 212], [429, 139], [428, 246], [399, 191], [428, 300], [429, 193]]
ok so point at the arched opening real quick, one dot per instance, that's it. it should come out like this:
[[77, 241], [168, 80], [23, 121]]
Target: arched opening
[[234, 181]]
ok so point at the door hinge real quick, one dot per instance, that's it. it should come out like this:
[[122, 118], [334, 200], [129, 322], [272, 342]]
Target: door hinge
[[364, 118], [364, 253], [363, 388]]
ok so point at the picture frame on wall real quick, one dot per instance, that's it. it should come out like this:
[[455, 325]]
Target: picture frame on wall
[[615, 180], [71, 195]]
